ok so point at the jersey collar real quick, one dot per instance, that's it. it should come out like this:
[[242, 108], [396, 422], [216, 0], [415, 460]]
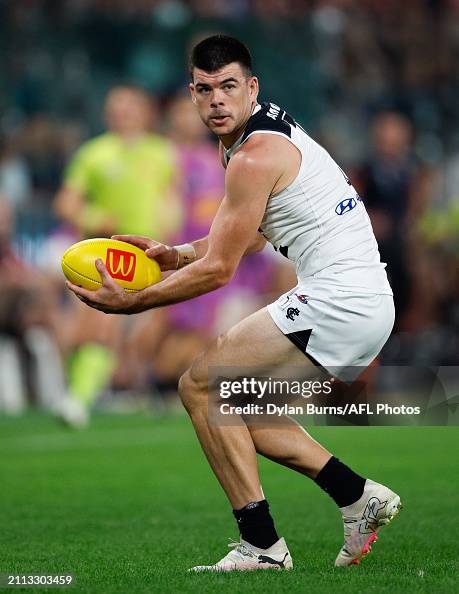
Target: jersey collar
[[228, 153]]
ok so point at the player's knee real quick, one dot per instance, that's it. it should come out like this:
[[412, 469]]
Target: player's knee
[[182, 387], [191, 392]]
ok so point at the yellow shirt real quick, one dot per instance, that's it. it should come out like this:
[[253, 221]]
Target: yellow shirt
[[130, 182]]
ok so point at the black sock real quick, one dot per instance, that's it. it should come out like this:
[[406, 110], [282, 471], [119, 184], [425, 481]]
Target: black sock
[[256, 524], [342, 484]]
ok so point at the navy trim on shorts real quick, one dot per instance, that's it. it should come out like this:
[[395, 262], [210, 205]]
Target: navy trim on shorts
[[300, 339]]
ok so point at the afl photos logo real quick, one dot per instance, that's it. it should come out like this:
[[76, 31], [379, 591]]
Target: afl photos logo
[[345, 206], [120, 264]]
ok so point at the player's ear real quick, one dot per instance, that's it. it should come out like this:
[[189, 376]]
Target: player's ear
[[253, 87], [192, 92]]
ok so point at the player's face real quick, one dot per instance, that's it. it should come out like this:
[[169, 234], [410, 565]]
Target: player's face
[[225, 99]]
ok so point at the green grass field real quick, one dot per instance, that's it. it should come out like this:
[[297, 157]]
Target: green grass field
[[129, 504]]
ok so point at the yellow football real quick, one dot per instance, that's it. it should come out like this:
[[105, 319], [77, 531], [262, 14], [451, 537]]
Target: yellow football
[[127, 264]]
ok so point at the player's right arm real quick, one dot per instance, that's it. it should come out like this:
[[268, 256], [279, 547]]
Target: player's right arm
[[201, 245], [251, 177], [168, 257]]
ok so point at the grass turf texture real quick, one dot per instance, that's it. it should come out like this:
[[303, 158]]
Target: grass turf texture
[[129, 504]]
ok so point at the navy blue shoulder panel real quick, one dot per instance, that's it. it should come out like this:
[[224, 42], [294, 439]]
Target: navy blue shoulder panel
[[270, 118]]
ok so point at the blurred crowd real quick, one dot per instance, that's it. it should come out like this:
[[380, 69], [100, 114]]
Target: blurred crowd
[[98, 136]]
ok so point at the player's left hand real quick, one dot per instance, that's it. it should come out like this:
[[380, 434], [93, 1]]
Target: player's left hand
[[110, 298]]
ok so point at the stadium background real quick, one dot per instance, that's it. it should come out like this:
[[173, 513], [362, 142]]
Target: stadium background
[[377, 84]]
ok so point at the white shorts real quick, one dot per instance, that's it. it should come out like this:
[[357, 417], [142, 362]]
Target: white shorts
[[339, 330]]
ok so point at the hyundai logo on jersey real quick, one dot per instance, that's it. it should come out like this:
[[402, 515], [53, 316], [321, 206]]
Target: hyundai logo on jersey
[[345, 206]]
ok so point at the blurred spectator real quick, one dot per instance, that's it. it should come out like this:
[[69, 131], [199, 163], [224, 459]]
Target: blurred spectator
[[433, 318], [40, 147], [440, 223], [395, 187], [122, 181], [15, 183], [30, 361]]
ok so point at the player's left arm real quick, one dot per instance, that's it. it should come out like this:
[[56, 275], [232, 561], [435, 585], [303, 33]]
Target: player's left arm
[[250, 178]]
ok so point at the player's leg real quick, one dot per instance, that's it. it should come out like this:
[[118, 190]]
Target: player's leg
[[230, 450], [326, 324], [364, 504], [258, 343]]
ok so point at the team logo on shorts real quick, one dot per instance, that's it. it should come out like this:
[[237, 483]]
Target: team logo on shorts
[[302, 298], [345, 206], [292, 312]]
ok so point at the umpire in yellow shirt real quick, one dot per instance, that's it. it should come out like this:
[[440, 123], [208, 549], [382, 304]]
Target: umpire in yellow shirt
[[122, 181]]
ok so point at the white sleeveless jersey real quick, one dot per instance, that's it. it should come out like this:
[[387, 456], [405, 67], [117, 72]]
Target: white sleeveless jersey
[[319, 222]]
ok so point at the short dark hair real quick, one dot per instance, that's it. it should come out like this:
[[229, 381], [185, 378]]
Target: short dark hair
[[218, 51]]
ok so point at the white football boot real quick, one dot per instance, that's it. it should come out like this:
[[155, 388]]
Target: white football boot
[[362, 520], [246, 557]]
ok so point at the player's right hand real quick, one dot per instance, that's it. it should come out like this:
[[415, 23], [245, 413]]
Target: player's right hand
[[165, 255]]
